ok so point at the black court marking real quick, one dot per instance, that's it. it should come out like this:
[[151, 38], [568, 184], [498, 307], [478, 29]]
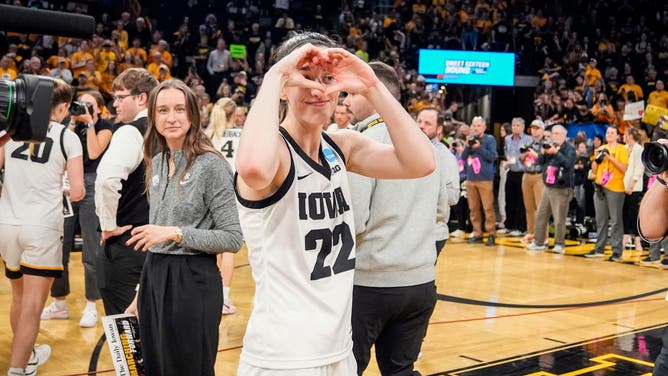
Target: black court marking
[[631, 353], [241, 266], [470, 358], [554, 340], [456, 299]]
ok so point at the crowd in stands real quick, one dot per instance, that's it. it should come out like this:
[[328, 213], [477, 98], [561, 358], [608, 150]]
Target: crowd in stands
[[592, 58]]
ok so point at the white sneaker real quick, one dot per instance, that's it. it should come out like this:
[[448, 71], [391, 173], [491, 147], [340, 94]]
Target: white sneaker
[[559, 249], [516, 233], [458, 234], [40, 354], [52, 311], [88, 318], [535, 247]]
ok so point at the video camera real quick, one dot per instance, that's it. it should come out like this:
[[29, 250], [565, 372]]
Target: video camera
[[25, 107], [655, 155], [25, 103]]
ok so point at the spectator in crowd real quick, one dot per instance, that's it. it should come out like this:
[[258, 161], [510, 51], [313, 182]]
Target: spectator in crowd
[[557, 158], [61, 71], [342, 118], [480, 156], [609, 166], [513, 143], [532, 182], [633, 187], [581, 171], [630, 91], [218, 64], [461, 208]]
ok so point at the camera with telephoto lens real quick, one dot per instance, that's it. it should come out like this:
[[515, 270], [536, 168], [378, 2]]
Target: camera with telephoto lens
[[655, 157], [601, 155], [525, 148], [547, 144], [25, 107], [473, 140], [79, 108]]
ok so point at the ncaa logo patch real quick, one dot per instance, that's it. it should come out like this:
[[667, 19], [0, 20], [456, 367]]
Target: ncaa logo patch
[[329, 155], [155, 180]]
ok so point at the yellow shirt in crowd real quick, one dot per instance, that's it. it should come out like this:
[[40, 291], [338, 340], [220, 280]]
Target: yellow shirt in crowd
[[615, 181]]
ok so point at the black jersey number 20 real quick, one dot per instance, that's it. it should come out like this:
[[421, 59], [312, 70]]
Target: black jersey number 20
[[340, 234], [40, 153]]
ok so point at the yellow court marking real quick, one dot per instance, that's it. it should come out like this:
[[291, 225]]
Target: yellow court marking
[[604, 361]]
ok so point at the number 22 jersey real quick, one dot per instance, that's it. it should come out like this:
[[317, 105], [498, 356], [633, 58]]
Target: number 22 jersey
[[301, 248]]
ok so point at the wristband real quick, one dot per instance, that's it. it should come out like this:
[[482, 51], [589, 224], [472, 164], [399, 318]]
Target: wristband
[[90, 125]]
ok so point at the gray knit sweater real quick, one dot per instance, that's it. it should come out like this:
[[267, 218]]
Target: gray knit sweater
[[394, 222], [202, 204]]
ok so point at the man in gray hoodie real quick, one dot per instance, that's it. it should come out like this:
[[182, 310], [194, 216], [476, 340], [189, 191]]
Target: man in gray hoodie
[[394, 292]]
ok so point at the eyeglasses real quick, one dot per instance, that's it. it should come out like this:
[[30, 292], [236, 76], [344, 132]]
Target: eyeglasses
[[120, 97]]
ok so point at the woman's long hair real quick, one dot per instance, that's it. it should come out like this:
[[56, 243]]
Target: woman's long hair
[[221, 113], [196, 142]]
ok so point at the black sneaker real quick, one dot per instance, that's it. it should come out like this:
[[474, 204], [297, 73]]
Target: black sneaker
[[615, 258], [594, 254], [664, 263], [490, 241], [475, 239]]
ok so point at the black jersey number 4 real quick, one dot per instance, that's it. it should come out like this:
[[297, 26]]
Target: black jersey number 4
[[340, 234]]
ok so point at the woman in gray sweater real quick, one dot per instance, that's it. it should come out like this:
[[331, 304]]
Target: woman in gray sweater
[[193, 217]]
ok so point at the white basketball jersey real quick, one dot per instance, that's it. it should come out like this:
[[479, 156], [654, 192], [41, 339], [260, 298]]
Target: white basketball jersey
[[301, 248], [228, 144], [33, 192]]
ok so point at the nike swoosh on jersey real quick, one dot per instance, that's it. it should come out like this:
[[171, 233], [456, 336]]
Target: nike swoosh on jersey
[[304, 176]]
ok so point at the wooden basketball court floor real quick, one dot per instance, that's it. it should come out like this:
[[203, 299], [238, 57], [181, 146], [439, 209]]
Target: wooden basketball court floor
[[503, 310]]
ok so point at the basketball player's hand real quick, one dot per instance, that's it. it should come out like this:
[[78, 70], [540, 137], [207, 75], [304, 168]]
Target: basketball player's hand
[[116, 232], [352, 74], [132, 308], [144, 237], [305, 59]]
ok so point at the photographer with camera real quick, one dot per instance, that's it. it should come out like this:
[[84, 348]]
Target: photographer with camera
[[557, 158], [532, 183], [609, 166], [94, 134], [480, 155], [653, 219], [31, 224]]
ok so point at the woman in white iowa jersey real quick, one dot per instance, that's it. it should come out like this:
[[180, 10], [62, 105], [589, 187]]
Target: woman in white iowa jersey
[[294, 204], [31, 224]]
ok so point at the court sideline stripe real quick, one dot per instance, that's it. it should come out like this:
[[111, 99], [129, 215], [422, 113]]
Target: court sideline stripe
[[456, 299]]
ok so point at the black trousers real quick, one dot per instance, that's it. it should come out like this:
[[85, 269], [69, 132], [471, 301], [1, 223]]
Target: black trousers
[[180, 305], [118, 271], [439, 247], [395, 319], [515, 212]]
